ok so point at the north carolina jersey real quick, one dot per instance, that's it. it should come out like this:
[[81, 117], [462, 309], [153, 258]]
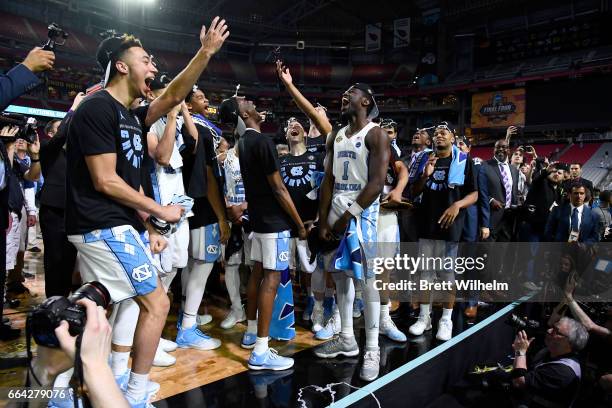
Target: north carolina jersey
[[168, 180], [234, 187], [350, 169]]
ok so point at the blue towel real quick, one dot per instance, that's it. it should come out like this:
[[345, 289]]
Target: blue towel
[[282, 325], [315, 183], [187, 203], [456, 173], [418, 165]]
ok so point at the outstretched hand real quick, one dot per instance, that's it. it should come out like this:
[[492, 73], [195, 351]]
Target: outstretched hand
[[283, 73], [213, 39]]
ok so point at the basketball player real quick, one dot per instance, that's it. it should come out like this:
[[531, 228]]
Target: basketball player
[[272, 215], [105, 203], [355, 171], [208, 225]]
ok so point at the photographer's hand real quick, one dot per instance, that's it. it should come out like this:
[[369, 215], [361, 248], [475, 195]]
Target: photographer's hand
[[521, 342], [39, 60]]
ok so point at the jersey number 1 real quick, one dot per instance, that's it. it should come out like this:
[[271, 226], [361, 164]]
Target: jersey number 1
[[345, 175]]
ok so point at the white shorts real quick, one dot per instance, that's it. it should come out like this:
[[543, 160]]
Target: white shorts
[[388, 234], [271, 249], [13, 238], [119, 259], [176, 253], [205, 244]]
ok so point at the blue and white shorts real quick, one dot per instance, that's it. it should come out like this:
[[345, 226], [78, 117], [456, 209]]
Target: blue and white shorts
[[119, 259], [271, 249], [205, 243]]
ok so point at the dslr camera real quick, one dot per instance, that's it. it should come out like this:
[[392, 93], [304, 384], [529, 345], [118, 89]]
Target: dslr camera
[[27, 126], [519, 323], [45, 318]]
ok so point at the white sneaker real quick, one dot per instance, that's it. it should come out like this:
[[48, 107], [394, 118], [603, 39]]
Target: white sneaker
[[163, 359], [167, 345], [201, 320], [233, 317], [317, 318], [422, 324], [445, 330]]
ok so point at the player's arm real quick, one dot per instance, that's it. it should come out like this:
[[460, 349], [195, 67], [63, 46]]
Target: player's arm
[[395, 195], [107, 182], [189, 125], [177, 90], [378, 144], [320, 121], [213, 193], [419, 185], [160, 150], [284, 199], [327, 189]]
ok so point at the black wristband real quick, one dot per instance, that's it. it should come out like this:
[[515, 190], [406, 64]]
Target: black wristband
[[34, 160], [518, 372]]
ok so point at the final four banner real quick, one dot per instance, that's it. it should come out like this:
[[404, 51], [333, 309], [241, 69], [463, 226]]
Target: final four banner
[[401, 32], [499, 109], [372, 37]]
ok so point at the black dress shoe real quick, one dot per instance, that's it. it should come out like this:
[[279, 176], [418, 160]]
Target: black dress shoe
[[8, 333]]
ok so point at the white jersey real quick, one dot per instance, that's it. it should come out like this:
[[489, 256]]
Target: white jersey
[[168, 180], [350, 169], [234, 186]]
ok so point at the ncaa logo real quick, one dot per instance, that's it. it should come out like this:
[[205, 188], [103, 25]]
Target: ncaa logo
[[283, 256], [141, 273], [212, 249]]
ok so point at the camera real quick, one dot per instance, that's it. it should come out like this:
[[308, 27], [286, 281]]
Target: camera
[[43, 320], [56, 37], [27, 126], [519, 323]]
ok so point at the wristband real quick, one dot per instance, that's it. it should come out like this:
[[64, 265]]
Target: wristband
[[355, 209], [34, 160], [519, 354]]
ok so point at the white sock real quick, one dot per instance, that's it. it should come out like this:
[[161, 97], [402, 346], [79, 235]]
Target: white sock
[[195, 291], [63, 379], [232, 281], [137, 386], [384, 311], [329, 292], [119, 362], [371, 315], [447, 313], [261, 345], [424, 310], [345, 291], [252, 326]]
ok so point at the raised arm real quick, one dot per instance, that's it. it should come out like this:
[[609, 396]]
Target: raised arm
[[177, 90], [320, 121], [160, 149]]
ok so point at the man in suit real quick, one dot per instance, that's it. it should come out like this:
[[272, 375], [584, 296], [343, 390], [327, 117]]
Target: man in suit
[[573, 221], [60, 254], [575, 171], [498, 184], [21, 78]]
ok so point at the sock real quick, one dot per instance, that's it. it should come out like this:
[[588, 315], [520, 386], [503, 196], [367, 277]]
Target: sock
[[329, 292], [251, 326], [119, 362], [318, 304], [261, 345], [346, 296], [63, 379], [195, 291], [384, 311], [424, 310], [447, 313], [358, 294], [232, 281], [372, 314], [137, 386]]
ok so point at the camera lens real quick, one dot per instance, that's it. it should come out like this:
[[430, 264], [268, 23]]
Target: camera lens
[[94, 291]]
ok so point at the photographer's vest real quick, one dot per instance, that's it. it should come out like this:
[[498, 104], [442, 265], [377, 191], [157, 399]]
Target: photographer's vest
[[568, 362]]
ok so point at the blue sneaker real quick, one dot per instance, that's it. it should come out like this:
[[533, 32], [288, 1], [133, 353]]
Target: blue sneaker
[[143, 403], [357, 308], [389, 329], [195, 339], [328, 308], [122, 382], [248, 340], [331, 328], [308, 308], [270, 360]]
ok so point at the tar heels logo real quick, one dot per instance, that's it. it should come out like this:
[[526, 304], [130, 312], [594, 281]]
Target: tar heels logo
[[283, 256], [141, 273], [212, 249], [439, 175], [297, 171], [132, 148]]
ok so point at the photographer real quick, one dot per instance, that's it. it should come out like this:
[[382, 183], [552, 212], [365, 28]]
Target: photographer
[[13, 203], [555, 377], [102, 389], [21, 79]]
